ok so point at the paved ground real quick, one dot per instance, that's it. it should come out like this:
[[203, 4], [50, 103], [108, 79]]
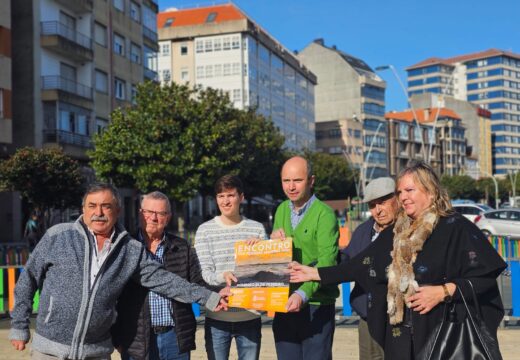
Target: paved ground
[[345, 344]]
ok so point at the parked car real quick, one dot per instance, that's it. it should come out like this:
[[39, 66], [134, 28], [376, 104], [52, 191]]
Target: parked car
[[471, 210], [504, 222]]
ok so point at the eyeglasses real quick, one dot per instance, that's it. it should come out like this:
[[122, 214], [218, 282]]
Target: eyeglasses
[[159, 214]]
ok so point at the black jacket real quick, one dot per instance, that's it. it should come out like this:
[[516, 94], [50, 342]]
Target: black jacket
[[361, 239], [456, 250], [131, 331]]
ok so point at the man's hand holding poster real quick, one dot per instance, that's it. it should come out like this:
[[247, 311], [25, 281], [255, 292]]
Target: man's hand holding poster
[[263, 275]]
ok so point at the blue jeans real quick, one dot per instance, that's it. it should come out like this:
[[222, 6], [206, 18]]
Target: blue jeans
[[163, 347], [305, 335], [218, 335]]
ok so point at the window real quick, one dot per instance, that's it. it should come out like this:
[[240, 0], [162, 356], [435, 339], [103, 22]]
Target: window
[[101, 81], [226, 43], [208, 46], [119, 44], [236, 95], [209, 71], [199, 46], [101, 124], [200, 72], [185, 75], [211, 17], [184, 49], [135, 53], [218, 70], [135, 11], [236, 68], [235, 42], [165, 49], [166, 75], [133, 94], [227, 69], [119, 89], [169, 22], [217, 44], [100, 34], [119, 5]]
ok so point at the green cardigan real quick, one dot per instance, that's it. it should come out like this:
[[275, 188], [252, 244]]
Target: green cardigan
[[314, 239]]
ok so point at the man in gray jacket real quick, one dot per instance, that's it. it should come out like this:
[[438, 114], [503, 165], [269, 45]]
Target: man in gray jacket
[[81, 269]]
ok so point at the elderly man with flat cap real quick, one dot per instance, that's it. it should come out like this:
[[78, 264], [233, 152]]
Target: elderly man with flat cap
[[382, 202]]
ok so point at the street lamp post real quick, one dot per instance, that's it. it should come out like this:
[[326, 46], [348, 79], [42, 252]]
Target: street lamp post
[[512, 178], [496, 186], [392, 68], [367, 160]]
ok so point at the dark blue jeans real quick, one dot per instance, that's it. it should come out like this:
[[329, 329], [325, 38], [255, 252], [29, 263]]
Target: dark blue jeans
[[305, 335], [218, 335], [163, 347]]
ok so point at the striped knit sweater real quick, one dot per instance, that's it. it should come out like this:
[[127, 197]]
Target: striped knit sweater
[[214, 243]]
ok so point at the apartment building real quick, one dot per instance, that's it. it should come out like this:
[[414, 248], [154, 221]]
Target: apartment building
[[490, 79], [6, 120], [435, 135], [73, 62], [477, 122], [350, 108], [223, 48]]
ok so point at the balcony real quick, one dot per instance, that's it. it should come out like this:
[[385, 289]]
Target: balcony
[[78, 6], [56, 88], [151, 38], [66, 137], [65, 41], [150, 74]]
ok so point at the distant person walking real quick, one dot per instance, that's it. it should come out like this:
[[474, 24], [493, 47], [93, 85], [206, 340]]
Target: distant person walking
[[31, 233]]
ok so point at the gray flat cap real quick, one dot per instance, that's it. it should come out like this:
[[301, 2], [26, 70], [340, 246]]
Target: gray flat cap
[[379, 188]]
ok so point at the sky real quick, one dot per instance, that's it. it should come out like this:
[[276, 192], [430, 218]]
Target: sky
[[382, 32]]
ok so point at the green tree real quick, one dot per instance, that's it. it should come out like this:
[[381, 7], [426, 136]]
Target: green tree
[[180, 140], [461, 187], [334, 178], [46, 179]]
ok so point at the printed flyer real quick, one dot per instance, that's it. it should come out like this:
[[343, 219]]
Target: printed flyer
[[263, 276]]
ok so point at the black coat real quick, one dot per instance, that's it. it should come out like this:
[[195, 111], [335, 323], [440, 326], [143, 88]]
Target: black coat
[[361, 239], [456, 250], [131, 331]]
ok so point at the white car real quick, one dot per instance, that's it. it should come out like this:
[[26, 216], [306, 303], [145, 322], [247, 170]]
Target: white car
[[471, 211], [503, 222]]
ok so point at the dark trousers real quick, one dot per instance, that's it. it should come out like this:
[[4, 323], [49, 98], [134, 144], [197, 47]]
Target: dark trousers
[[305, 335]]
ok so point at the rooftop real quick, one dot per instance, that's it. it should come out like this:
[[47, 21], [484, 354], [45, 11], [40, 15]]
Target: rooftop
[[424, 116], [463, 58], [199, 16]]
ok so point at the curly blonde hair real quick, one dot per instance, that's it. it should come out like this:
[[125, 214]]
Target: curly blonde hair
[[424, 177]]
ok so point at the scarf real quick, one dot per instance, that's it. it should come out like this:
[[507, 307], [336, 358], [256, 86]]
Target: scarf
[[409, 237]]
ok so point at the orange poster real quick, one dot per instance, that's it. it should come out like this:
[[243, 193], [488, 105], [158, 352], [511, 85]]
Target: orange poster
[[263, 276]]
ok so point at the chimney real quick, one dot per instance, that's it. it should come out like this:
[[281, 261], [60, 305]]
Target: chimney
[[334, 47], [320, 41]]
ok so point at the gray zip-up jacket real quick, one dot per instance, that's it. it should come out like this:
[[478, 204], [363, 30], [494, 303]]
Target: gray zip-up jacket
[[74, 318]]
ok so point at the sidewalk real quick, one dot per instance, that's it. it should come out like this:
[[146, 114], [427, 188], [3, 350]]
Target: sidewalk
[[345, 344]]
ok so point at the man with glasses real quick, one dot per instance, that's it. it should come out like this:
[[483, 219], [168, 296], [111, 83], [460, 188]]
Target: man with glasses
[[150, 326], [215, 244], [81, 269], [382, 203]]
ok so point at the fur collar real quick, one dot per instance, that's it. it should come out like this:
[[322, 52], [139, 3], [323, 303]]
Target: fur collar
[[409, 238]]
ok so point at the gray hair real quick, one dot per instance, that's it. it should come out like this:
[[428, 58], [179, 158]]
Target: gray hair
[[98, 187], [157, 195]]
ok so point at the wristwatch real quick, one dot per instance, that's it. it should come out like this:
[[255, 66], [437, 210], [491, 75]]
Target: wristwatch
[[447, 296]]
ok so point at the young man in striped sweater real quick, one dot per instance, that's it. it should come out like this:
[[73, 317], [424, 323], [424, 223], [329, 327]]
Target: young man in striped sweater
[[214, 243]]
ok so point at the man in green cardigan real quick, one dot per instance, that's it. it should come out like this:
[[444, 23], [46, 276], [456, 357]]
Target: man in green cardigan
[[306, 331]]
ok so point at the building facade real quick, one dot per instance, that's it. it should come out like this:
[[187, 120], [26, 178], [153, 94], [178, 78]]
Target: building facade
[[438, 137], [477, 122], [350, 108], [490, 79], [220, 47], [73, 62], [6, 120]]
